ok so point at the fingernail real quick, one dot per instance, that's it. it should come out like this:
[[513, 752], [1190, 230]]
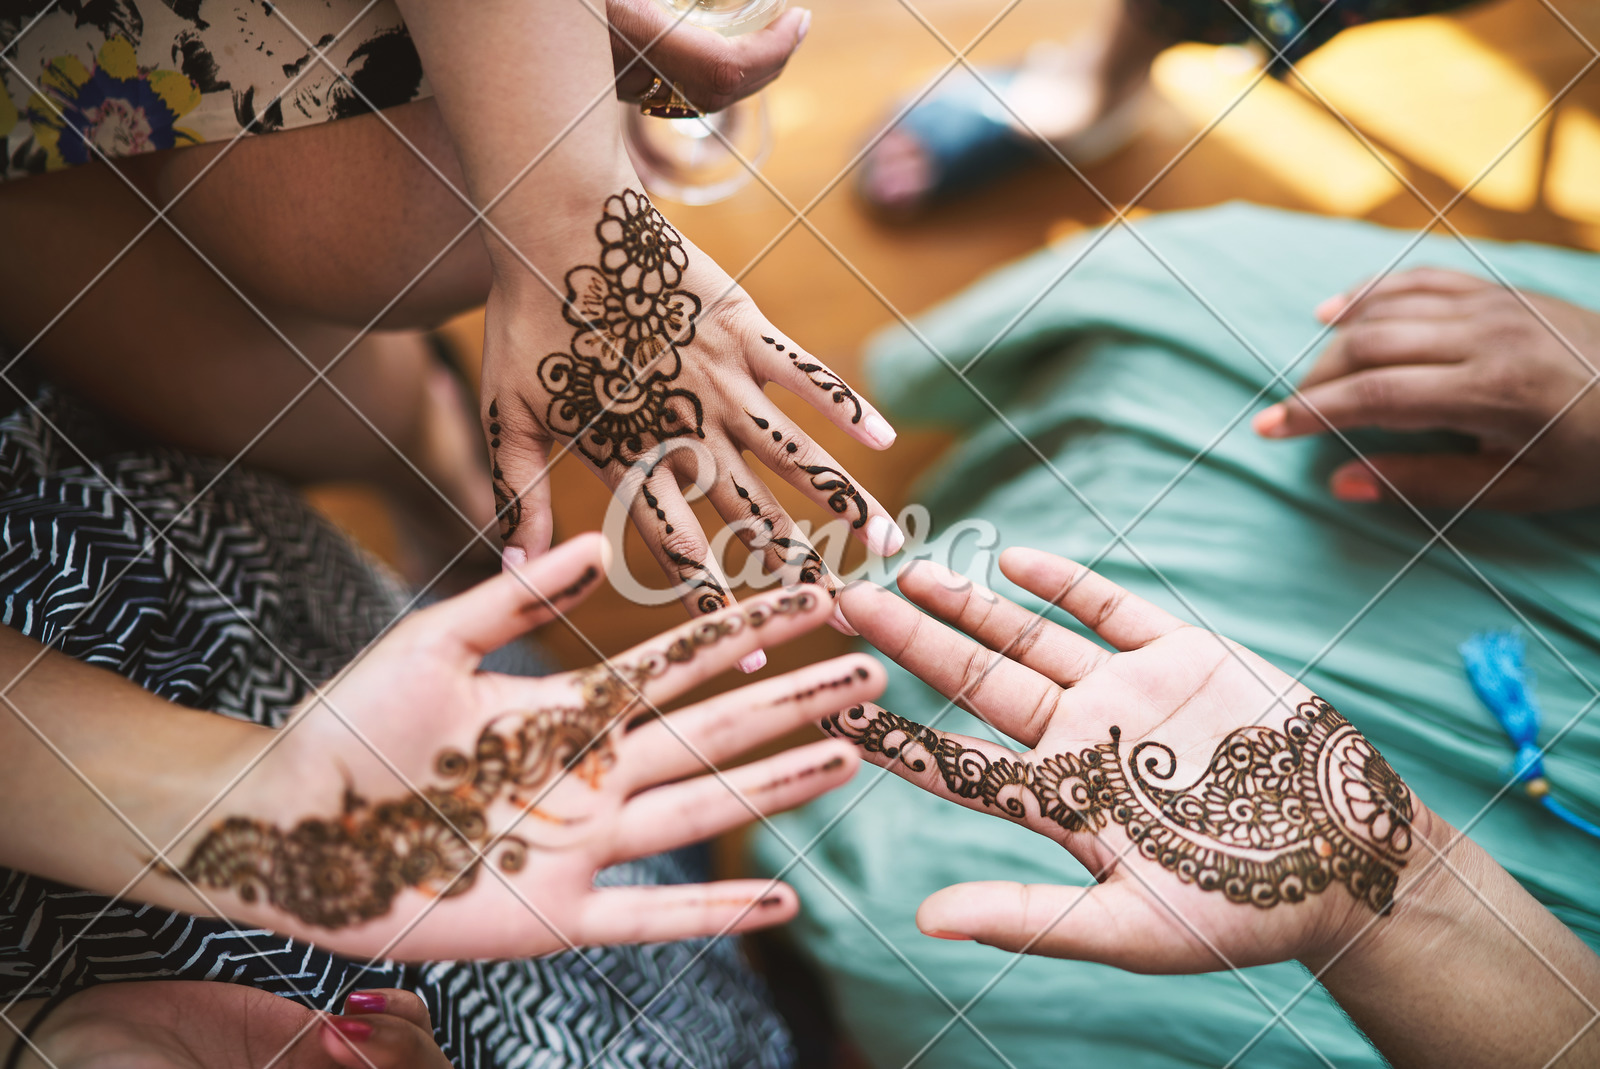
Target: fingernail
[[805, 28], [1329, 308], [938, 933], [841, 624], [365, 1002], [513, 557], [753, 662], [1356, 484], [1271, 422], [883, 537], [877, 428], [357, 1030]]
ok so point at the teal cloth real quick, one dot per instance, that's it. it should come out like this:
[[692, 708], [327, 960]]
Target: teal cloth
[[1121, 376]]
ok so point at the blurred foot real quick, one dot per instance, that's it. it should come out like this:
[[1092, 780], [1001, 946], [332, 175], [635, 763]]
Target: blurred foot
[[1086, 98]]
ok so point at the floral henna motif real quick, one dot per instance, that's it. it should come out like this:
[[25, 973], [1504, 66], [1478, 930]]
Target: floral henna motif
[[1277, 815], [612, 391], [339, 872], [820, 377]]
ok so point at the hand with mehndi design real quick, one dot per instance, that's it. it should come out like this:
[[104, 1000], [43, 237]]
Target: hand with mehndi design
[[1224, 826], [652, 348], [373, 824], [180, 1024]]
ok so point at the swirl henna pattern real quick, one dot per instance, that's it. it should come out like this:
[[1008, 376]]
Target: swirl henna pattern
[[349, 869], [1277, 815], [507, 505], [613, 390], [820, 377]]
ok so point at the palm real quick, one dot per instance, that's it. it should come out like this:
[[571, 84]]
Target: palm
[[423, 809], [1231, 817]]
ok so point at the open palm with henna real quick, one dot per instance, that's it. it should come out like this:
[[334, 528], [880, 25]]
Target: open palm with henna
[[423, 809], [1230, 816], [652, 349]]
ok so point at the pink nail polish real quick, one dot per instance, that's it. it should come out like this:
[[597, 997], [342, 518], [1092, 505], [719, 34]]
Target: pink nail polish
[[805, 28], [877, 428], [883, 537], [365, 1002], [941, 934], [357, 1030], [513, 557], [841, 624], [753, 661]]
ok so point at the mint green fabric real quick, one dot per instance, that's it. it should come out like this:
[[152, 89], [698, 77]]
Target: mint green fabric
[[1120, 376]]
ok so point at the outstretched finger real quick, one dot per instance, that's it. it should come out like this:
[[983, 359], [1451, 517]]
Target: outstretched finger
[[514, 602], [683, 911], [1433, 480], [1060, 655], [784, 362], [1422, 280], [630, 684], [764, 526], [1015, 699], [673, 533], [519, 465], [379, 1041], [719, 729], [1113, 924], [692, 812], [808, 468], [1125, 621]]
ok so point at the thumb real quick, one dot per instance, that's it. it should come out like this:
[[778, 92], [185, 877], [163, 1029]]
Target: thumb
[[1112, 923], [519, 463], [1430, 480]]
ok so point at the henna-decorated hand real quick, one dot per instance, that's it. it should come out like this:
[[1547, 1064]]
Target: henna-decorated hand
[[1224, 826], [426, 810], [653, 349], [710, 70], [1439, 350], [180, 1024]]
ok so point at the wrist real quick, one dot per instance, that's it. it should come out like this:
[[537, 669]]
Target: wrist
[[1426, 910], [550, 224]]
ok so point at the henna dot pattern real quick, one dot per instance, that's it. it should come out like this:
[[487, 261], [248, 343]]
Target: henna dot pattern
[[507, 506], [349, 869], [1277, 815], [797, 552], [613, 391], [821, 377]]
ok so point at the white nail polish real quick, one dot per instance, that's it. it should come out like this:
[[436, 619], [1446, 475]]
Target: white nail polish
[[883, 537], [513, 557], [877, 428], [841, 624], [753, 662]]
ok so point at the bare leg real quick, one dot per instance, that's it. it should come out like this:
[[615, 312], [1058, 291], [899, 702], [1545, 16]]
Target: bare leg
[[319, 230]]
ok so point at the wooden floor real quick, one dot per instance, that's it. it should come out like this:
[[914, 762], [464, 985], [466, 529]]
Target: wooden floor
[[1444, 99]]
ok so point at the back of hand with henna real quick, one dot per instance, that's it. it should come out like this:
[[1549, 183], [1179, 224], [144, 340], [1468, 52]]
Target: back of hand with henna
[[558, 781], [654, 372]]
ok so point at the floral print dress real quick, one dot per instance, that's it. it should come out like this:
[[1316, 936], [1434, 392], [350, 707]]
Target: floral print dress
[[85, 78]]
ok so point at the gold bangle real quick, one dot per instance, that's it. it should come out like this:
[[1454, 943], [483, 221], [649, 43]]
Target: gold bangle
[[676, 106]]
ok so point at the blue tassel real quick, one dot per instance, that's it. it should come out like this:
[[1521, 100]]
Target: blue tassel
[[1499, 676]]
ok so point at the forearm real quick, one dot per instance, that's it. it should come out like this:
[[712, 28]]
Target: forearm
[[519, 81], [85, 753], [1460, 979]]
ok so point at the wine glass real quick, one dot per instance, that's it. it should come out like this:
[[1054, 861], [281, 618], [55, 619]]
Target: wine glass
[[684, 159]]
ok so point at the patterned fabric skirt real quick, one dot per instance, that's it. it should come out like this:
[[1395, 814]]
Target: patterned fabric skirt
[[246, 566]]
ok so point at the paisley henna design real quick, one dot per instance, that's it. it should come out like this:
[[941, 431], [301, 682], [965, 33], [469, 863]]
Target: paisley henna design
[[507, 506], [612, 391], [1277, 815], [821, 378], [343, 871]]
